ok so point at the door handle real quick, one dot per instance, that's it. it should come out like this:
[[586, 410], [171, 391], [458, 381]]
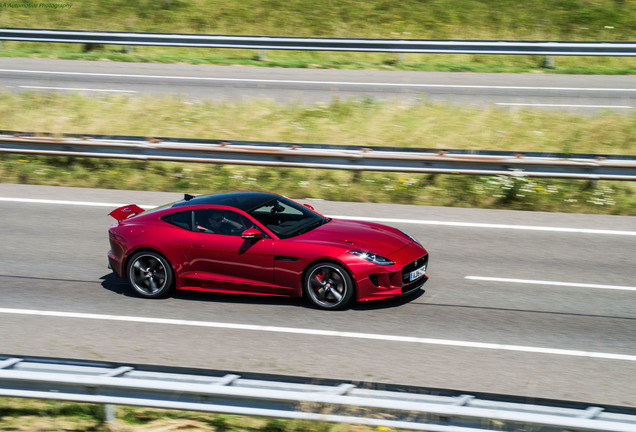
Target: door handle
[[197, 245]]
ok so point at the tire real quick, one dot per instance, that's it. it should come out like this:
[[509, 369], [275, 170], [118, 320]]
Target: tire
[[328, 286], [149, 274]]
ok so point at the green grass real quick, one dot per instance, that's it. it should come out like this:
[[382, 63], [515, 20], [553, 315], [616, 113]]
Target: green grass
[[515, 193], [27, 415], [329, 60], [363, 122], [605, 20], [360, 121], [441, 19]]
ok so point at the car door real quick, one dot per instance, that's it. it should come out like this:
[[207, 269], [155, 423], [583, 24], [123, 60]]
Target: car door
[[221, 260]]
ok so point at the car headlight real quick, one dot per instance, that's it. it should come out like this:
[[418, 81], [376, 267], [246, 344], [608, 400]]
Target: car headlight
[[411, 237], [374, 258]]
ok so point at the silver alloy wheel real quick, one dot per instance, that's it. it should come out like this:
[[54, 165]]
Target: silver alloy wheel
[[328, 286], [149, 274]]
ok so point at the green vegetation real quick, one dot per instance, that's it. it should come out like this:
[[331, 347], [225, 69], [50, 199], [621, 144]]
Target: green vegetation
[[607, 20], [515, 193], [366, 122], [363, 122], [327, 60], [26, 415], [442, 19]]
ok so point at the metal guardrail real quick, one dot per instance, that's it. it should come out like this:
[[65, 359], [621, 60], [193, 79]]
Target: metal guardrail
[[549, 48], [296, 398], [354, 158]]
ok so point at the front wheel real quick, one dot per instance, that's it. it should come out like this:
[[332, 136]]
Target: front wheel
[[328, 286], [149, 274]]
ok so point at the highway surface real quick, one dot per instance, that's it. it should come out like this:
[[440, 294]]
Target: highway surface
[[583, 93], [521, 303]]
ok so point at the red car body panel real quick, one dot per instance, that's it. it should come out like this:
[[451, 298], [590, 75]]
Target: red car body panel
[[271, 264], [125, 212]]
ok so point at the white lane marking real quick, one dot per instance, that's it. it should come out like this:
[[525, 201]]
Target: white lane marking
[[64, 202], [360, 218], [97, 74], [77, 89], [330, 333], [487, 225], [564, 105], [542, 282]]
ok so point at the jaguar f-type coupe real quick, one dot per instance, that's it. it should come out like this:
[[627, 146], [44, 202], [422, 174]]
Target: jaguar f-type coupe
[[262, 243]]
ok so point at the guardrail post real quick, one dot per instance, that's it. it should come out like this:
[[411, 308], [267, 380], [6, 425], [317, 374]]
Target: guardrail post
[[548, 62], [262, 55], [109, 416]]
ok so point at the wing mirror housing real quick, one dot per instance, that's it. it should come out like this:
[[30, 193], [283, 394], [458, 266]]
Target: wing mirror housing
[[251, 234], [309, 207]]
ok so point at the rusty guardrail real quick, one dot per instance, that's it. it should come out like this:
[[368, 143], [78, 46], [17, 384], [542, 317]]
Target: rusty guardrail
[[343, 157]]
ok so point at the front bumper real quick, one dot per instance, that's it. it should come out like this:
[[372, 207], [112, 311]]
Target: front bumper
[[381, 282]]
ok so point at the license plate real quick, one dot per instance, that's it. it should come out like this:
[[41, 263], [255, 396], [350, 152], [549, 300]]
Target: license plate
[[417, 273]]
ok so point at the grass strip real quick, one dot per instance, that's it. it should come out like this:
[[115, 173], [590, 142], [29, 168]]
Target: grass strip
[[356, 121], [365, 122], [440, 19], [28, 415], [578, 20], [329, 60]]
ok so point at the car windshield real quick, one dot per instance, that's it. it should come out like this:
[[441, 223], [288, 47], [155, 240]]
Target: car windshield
[[287, 218]]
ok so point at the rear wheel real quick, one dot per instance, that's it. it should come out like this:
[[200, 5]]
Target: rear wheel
[[328, 286], [149, 274]]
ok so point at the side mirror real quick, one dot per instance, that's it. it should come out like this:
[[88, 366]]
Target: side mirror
[[251, 234], [309, 207]]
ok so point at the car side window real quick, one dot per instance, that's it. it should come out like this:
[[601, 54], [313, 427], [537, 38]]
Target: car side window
[[220, 222], [181, 219]]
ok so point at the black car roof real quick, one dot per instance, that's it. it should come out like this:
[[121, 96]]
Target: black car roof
[[242, 200]]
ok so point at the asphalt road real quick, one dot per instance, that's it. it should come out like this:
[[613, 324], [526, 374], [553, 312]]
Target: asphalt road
[[529, 334], [584, 93]]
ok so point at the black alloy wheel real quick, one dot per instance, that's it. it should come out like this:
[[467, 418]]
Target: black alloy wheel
[[150, 274]]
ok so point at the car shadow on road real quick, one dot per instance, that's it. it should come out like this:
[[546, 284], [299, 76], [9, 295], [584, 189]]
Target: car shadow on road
[[116, 285], [119, 286]]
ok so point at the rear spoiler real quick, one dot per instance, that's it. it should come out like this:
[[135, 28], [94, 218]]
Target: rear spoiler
[[125, 212]]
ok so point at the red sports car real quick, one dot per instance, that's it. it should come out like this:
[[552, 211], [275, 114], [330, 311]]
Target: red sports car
[[262, 243]]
